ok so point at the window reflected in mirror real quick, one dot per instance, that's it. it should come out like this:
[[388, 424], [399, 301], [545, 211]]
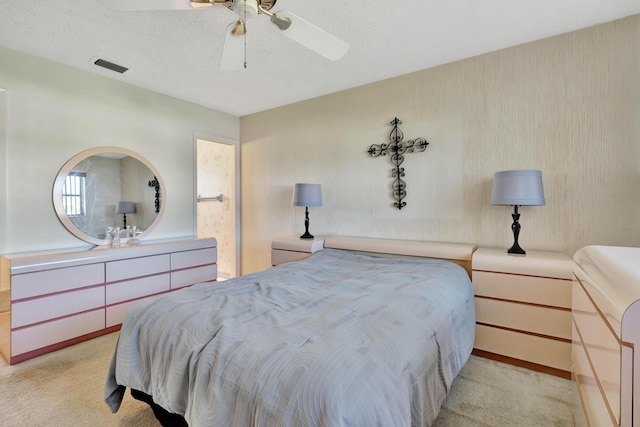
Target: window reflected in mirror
[[73, 194]]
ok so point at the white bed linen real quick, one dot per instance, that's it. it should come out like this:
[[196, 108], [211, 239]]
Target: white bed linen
[[339, 339]]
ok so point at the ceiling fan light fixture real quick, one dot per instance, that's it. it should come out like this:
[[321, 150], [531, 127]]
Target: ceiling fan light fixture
[[248, 7], [239, 29]]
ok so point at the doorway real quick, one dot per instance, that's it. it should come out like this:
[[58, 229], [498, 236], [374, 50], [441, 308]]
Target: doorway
[[217, 201]]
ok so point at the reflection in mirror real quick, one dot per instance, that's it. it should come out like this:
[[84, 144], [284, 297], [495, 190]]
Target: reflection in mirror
[[92, 184]]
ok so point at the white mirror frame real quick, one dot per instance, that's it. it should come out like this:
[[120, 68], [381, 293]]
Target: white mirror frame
[[73, 162]]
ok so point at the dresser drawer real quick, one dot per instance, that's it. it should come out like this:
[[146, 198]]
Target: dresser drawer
[[29, 285], [602, 347], [597, 409], [54, 306], [540, 320], [556, 265], [513, 287], [137, 288], [182, 278], [38, 336], [530, 348], [116, 313], [137, 267], [194, 258]]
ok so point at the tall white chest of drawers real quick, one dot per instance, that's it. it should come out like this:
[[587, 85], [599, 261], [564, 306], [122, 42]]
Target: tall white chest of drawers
[[62, 298]]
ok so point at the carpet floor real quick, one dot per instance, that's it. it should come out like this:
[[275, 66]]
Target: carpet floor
[[65, 388]]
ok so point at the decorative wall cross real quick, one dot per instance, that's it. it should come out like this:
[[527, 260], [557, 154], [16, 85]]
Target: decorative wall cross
[[154, 183], [398, 148]]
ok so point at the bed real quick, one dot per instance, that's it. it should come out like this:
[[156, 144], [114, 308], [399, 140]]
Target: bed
[[342, 338]]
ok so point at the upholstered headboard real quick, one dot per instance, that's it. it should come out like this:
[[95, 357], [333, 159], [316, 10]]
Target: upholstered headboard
[[459, 253]]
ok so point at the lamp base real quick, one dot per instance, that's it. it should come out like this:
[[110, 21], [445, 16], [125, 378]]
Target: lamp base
[[306, 235], [516, 249], [515, 227]]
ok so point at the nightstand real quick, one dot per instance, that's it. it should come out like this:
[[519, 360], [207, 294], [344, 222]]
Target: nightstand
[[523, 308], [293, 249]]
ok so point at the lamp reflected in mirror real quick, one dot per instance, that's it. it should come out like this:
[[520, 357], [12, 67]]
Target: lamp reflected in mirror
[[125, 208]]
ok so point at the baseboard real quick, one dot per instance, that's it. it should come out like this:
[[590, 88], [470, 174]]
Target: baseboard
[[522, 363]]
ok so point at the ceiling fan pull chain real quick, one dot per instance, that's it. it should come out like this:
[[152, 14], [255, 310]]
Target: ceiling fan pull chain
[[245, 34]]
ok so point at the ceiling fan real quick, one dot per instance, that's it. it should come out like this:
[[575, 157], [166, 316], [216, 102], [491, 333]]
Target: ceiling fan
[[234, 49]]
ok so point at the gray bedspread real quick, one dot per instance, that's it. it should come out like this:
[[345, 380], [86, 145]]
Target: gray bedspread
[[338, 339]]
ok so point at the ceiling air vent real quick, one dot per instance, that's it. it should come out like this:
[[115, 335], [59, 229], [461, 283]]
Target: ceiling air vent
[[110, 66]]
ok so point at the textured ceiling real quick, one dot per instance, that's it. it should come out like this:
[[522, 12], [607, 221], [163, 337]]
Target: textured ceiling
[[177, 53]]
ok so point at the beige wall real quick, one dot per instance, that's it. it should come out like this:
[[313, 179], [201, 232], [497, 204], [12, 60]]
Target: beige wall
[[568, 105], [54, 112]]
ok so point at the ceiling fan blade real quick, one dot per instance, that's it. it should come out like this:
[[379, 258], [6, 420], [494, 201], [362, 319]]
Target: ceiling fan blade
[[233, 54], [311, 36], [145, 4]]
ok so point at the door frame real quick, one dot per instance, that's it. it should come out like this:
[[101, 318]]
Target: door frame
[[238, 197], [4, 203]]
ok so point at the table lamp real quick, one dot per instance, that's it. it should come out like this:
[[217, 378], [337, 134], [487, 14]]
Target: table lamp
[[307, 195], [517, 188]]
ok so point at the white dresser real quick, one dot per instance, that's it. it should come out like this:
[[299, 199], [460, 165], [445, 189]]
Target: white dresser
[[62, 298], [523, 309]]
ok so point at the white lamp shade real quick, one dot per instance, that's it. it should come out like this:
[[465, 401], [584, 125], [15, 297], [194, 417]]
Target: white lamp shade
[[518, 188], [307, 195], [125, 207]]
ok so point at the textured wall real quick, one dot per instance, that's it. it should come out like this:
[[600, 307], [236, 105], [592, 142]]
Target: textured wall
[[53, 112], [567, 105]]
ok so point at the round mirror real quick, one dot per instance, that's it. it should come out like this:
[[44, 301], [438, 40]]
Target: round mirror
[[107, 187]]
